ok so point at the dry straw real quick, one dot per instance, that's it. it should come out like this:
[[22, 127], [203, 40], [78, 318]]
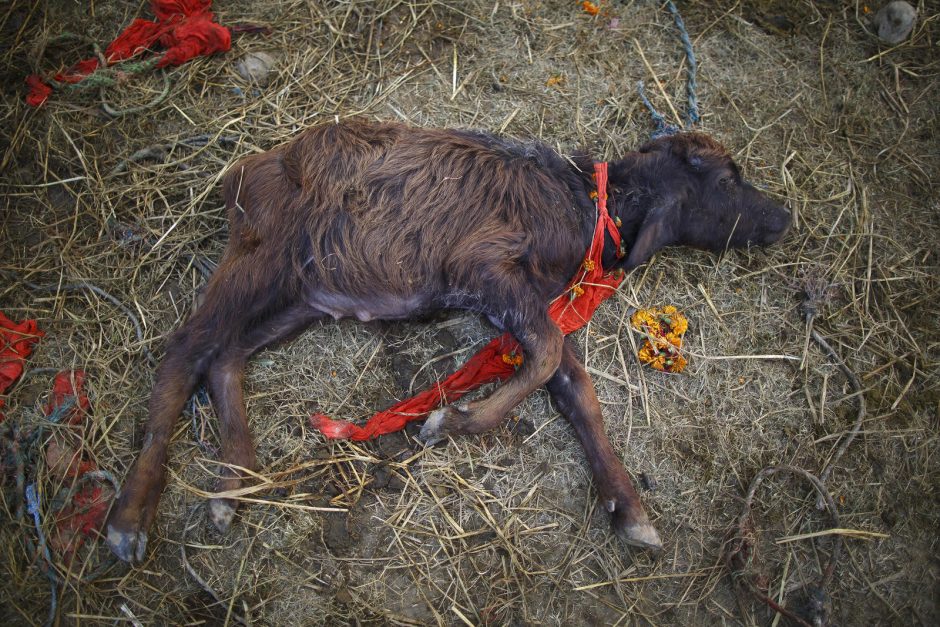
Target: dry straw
[[503, 527]]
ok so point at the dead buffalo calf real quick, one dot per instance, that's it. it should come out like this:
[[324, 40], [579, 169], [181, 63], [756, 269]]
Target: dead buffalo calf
[[384, 221]]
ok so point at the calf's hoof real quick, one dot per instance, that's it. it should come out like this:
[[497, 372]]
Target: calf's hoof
[[439, 423], [126, 530], [633, 527], [221, 513], [128, 545], [432, 431], [641, 535]]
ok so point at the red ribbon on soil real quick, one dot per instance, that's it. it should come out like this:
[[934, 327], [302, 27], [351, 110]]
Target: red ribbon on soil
[[83, 516], [185, 29], [16, 343], [495, 361]]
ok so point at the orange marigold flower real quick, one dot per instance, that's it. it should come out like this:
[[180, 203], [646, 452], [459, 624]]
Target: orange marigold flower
[[642, 318], [593, 195], [588, 265], [679, 324], [675, 364], [590, 8], [663, 330], [577, 290], [647, 353], [513, 359]]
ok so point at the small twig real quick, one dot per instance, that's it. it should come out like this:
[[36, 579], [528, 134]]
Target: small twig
[[857, 385], [130, 615], [851, 533], [656, 80], [85, 285], [157, 151]]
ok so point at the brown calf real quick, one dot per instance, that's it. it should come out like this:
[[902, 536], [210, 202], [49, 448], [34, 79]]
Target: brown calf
[[384, 221]]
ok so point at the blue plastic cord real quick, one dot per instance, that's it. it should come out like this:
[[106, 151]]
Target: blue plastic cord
[[691, 86], [32, 506], [692, 116]]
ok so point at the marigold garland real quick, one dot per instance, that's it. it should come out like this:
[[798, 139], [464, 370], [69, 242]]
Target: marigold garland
[[663, 330]]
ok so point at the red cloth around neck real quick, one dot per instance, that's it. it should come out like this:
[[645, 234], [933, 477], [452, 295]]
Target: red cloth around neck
[[590, 286]]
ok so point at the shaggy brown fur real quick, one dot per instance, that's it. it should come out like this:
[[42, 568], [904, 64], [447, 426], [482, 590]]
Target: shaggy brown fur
[[383, 221]]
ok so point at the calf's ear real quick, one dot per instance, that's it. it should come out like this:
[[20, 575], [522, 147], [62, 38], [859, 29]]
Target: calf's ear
[[656, 231]]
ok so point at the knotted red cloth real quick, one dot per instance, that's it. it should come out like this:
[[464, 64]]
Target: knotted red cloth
[[590, 286], [16, 343], [66, 460], [185, 29]]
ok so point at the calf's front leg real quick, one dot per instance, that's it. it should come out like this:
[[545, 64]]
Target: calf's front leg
[[573, 393]]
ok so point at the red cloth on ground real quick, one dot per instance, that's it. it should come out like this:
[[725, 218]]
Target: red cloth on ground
[[16, 343], [68, 384], [184, 29], [80, 519], [570, 311], [64, 450], [83, 516]]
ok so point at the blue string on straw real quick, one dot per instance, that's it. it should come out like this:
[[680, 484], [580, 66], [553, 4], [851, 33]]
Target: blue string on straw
[[32, 507], [692, 115]]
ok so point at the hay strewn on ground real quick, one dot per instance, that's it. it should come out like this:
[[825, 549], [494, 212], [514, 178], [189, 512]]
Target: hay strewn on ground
[[502, 528]]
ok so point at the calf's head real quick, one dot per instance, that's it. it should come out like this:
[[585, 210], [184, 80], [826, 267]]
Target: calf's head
[[693, 195]]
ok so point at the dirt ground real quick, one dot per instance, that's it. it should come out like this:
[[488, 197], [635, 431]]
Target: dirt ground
[[503, 528]]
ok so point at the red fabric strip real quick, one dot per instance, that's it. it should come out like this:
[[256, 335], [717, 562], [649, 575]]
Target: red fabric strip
[[16, 343]]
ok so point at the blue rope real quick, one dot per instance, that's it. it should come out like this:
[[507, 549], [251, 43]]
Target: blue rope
[[32, 506], [60, 412], [692, 116], [663, 128]]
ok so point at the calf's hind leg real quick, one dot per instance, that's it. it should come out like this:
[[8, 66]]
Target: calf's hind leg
[[225, 382], [574, 394], [188, 355], [238, 292]]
